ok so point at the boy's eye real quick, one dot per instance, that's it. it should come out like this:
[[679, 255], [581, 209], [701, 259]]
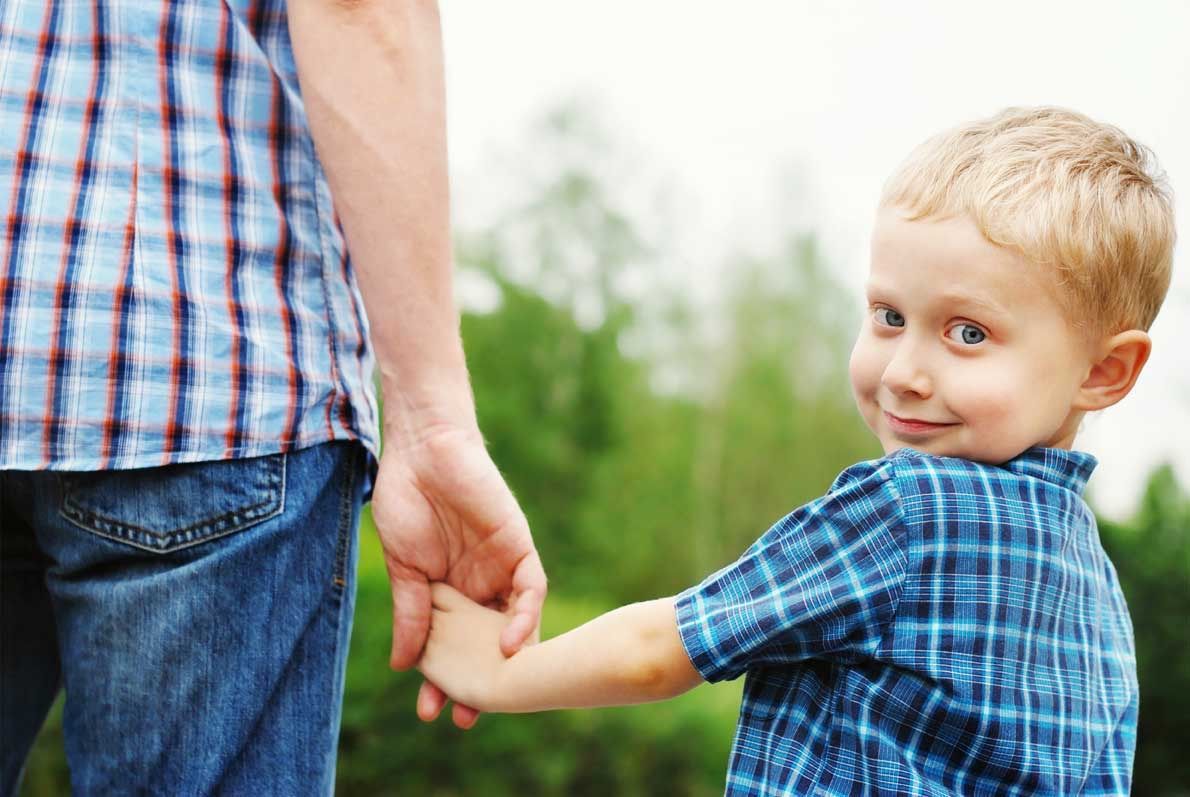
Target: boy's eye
[[966, 333], [886, 316]]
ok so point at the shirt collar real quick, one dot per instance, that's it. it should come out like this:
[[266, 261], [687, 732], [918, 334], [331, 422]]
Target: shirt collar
[[1069, 469]]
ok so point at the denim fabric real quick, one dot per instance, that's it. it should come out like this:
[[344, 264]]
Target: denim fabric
[[197, 615]]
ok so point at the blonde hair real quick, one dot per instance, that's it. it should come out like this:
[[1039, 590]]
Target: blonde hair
[[1064, 191]]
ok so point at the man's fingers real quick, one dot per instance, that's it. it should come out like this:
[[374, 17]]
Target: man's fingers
[[525, 625], [411, 615], [529, 576], [430, 701], [464, 717], [530, 584], [530, 587], [515, 634], [530, 602]]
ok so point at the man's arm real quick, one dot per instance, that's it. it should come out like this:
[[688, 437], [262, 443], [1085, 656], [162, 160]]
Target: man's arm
[[633, 654], [371, 73]]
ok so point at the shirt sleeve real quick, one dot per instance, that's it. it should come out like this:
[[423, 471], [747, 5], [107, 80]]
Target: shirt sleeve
[[823, 582]]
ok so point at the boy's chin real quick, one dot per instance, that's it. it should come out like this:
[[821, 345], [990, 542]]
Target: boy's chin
[[941, 449], [932, 447]]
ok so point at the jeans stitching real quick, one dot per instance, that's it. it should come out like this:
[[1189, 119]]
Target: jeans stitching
[[346, 512], [223, 525], [73, 512], [343, 598]]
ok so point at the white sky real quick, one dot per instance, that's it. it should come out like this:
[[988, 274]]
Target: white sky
[[732, 102]]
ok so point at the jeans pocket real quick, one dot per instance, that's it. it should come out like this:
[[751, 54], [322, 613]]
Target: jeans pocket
[[175, 506]]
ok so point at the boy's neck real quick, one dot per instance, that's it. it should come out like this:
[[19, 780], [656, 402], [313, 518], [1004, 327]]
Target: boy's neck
[[1064, 436]]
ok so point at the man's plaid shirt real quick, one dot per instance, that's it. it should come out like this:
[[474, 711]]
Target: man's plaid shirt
[[173, 284], [930, 626]]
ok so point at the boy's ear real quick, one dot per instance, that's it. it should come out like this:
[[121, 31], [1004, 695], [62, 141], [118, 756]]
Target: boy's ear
[[1121, 358]]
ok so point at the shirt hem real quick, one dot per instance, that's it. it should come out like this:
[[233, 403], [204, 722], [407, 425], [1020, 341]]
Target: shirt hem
[[693, 640], [156, 458]]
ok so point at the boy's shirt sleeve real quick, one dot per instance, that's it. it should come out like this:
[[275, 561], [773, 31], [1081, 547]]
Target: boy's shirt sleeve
[[823, 582]]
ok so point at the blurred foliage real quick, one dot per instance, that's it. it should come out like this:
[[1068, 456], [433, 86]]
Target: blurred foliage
[[600, 461], [1152, 556], [635, 492]]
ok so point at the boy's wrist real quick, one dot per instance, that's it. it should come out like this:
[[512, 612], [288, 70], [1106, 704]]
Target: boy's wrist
[[504, 693]]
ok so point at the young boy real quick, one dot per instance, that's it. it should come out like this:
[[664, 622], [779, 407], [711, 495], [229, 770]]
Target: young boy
[[944, 619]]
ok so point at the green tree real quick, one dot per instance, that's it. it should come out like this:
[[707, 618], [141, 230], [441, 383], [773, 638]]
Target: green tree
[[1152, 556], [780, 423]]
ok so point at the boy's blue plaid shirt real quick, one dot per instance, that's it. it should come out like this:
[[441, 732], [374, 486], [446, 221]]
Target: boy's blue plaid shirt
[[930, 626]]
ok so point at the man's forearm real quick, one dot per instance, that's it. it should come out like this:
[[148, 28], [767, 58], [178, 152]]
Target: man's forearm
[[631, 655], [371, 73]]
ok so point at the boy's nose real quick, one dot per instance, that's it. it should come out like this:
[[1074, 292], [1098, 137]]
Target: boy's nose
[[905, 375]]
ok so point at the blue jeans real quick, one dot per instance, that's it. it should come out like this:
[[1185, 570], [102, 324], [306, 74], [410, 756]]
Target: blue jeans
[[197, 615]]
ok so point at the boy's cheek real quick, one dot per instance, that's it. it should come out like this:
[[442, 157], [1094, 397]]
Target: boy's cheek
[[863, 371]]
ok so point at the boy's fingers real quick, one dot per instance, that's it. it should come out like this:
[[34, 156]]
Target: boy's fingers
[[446, 597], [430, 702]]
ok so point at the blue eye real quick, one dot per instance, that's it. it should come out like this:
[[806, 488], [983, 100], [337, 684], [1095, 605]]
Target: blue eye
[[888, 317], [969, 334]]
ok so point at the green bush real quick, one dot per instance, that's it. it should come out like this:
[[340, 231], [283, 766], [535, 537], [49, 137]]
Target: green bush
[[1152, 556], [676, 748]]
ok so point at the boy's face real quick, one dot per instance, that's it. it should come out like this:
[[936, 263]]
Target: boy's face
[[964, 351]]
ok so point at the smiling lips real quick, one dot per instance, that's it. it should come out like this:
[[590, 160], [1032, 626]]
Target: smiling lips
[[912, 426]]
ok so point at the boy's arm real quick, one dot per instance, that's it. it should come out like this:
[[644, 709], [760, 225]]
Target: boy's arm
[[631, 655]]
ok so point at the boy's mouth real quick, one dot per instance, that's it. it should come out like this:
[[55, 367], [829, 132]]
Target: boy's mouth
[[913, 426]]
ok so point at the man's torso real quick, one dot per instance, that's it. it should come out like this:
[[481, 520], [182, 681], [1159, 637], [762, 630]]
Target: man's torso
[[173, 284]]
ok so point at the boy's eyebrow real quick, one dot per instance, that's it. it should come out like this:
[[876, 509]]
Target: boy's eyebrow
[[950, 296], [973, 300]]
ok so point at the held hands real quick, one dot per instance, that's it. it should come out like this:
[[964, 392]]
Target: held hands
[[462, 656], [444, 513]]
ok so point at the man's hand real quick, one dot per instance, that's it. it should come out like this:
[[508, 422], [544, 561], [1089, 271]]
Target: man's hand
[[444, 513]]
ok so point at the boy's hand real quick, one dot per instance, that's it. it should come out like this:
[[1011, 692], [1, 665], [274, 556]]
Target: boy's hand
[[462, 655], [633, 654]]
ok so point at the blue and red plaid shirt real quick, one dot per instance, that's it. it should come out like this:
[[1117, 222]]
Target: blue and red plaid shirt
[[931, 626], [174, 285]]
